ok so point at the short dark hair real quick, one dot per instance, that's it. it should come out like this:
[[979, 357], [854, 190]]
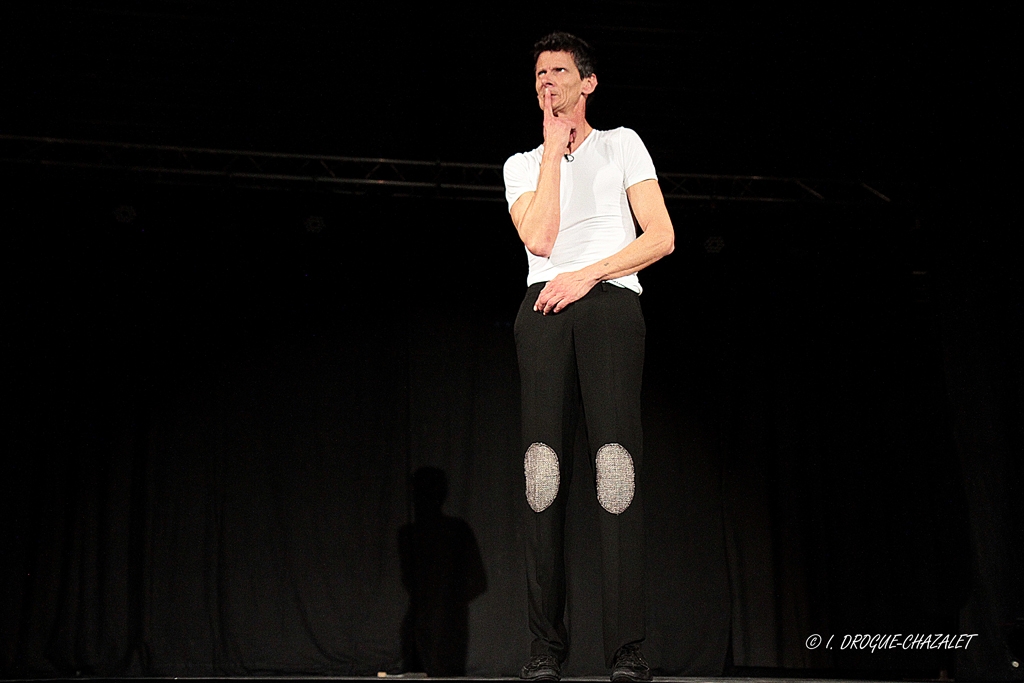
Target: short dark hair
[[582, 53]]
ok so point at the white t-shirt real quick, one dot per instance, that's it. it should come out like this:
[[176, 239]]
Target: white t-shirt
[[595, 218]]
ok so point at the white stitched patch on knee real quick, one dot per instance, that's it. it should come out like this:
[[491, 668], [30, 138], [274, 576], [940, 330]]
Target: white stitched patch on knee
[[542, 477], [615, 483]]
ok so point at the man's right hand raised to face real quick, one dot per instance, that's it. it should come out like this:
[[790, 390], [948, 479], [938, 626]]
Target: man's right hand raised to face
[[560, 129]]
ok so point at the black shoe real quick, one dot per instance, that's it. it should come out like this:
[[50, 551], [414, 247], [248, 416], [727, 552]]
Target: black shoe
[[630, 665], [541, 668]]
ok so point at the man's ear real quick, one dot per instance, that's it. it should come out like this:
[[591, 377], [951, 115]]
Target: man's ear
[[589, 84]]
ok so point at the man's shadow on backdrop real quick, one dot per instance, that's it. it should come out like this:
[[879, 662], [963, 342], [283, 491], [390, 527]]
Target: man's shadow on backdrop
[[442, 570]]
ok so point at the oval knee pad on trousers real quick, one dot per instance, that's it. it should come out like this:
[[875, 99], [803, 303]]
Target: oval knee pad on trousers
[[615, 478], [542, 476]]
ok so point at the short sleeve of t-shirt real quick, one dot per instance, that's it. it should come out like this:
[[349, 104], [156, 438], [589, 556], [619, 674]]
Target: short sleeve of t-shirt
[[521, 173], [637, 162]]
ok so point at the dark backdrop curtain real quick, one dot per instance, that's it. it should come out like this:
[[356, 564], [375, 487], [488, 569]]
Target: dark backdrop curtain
[[219, 403]]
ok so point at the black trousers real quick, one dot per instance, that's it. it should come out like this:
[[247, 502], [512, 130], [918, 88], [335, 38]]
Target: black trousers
[[585, 362]]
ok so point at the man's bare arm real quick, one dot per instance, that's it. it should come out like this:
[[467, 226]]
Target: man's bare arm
[[537, 215], [657, 241]]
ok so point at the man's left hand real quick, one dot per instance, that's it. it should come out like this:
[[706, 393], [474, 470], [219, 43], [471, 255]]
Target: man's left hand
[[562, 290]]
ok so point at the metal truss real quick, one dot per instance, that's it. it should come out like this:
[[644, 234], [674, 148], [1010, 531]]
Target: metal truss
[[359, 175], [749, 188]]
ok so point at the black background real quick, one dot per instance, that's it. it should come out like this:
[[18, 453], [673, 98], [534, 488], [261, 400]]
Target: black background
[[217, 411]]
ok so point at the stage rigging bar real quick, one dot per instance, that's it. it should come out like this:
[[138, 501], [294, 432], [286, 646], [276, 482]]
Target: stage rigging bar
[[360, 175]]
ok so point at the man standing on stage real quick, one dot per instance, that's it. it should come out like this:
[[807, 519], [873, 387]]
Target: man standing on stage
[[580, 341]]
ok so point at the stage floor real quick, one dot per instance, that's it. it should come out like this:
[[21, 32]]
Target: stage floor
[[467, 679]]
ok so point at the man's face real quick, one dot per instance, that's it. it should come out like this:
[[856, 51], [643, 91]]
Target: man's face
[[556, 72]]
